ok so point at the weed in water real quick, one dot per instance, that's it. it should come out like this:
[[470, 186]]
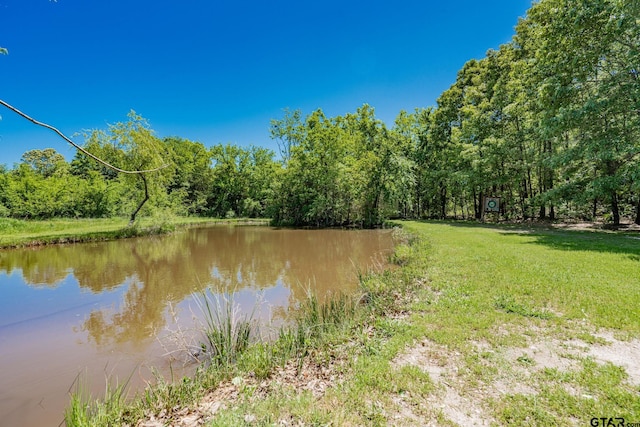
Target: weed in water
[[227, 333]]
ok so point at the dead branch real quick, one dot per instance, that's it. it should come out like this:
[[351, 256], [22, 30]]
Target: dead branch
[[78, 147]]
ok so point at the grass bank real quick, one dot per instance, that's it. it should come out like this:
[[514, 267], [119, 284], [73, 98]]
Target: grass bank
[[479, 325], [20, 233]]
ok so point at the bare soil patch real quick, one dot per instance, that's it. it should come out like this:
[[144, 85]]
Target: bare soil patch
[[309, 376], [463, 402], [451, 399]]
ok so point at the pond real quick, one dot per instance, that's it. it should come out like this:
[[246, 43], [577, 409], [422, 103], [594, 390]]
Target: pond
[[77, 314]]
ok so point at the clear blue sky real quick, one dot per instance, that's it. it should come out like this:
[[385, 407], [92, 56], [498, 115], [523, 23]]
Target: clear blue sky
[[216, 71]]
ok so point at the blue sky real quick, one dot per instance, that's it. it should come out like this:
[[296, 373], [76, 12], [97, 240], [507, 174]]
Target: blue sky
[[217, 71]]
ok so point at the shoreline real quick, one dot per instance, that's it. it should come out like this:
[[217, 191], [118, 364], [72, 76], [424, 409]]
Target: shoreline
[[28, 234]]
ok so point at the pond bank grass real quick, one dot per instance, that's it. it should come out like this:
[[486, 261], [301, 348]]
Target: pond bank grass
[[230, 349], [227, 333]]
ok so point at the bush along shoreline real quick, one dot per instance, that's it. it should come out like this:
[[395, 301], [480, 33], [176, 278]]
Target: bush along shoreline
[[474, 324]]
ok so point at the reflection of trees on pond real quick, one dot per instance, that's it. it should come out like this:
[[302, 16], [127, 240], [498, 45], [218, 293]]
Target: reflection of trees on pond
[[159, 271], [34, 271], [96, 266]]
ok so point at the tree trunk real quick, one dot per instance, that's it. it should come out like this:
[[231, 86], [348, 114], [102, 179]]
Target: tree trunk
[[476, 211], [615, 209], [524, 195], [542, 214], [146, 197], [637, 221], [443, 202], [455, 209]]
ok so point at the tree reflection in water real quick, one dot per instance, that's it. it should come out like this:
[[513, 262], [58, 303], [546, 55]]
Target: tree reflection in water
[[156, 272]]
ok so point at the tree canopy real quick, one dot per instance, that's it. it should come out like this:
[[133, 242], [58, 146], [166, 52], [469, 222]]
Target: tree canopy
[[549, 123]]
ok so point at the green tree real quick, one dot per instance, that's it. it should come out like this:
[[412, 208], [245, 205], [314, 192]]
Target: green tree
[[345, 170], [288, 132], [45, 162], [243, 180], [586, 54], [263, 178], [132, 145], [312, 190], [193, 177], [28, 193]]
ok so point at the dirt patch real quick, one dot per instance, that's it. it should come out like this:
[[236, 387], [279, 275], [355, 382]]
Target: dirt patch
[[553, 354], [620, 353], [449, 401], [464, 402], [532, 226], [565, 355], [309, 376], [585, 225]]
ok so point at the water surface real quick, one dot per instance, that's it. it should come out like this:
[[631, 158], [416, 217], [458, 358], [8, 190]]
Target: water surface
[[114, 309]]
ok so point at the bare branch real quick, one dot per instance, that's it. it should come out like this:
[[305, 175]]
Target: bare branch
[[78, 147]]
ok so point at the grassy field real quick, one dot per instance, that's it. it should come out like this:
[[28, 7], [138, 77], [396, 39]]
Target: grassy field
[[477, 325], [18, 233]]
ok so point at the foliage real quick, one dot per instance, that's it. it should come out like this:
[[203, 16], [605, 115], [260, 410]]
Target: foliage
[[548, 122], [342, 170], [241, 181]]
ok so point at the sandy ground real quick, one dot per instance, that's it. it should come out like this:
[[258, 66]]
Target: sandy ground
[[465, 406]]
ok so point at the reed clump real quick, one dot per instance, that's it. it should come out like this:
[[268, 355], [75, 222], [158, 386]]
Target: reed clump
[[229, 346]]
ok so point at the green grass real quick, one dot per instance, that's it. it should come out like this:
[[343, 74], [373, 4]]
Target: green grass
[[534, 273], [19, 233], [478, 302], [227, 333]]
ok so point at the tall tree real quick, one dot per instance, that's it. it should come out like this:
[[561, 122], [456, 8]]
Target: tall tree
[[134, 146], [288, 132], [45, 162], [586, 54], [193, 177]]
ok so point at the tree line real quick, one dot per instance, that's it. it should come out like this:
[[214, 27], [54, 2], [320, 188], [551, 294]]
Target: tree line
[[549, 122]]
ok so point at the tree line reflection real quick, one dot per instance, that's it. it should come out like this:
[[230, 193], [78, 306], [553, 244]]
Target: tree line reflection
[[154, 272]]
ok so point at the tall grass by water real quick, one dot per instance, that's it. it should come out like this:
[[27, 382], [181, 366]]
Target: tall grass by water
[[229, 345], [226, 331]]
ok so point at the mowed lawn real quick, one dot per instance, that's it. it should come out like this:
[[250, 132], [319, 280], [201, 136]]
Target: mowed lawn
[[489, 273]]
